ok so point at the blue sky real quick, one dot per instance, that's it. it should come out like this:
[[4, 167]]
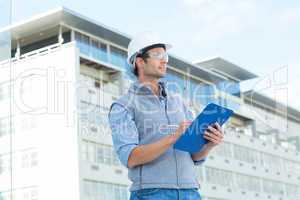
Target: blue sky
[[259, 35]]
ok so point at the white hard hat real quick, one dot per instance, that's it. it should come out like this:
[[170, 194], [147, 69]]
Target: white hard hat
[[140, 43]]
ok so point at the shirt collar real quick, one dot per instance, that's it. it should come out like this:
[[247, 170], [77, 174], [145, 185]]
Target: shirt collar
[[142, 89]]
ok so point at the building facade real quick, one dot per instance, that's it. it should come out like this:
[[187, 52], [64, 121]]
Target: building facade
[[55, 94]]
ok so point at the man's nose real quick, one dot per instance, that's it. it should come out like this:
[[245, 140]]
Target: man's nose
[[163, 61]]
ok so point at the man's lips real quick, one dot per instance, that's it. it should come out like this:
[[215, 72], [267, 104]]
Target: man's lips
[[162, 67]]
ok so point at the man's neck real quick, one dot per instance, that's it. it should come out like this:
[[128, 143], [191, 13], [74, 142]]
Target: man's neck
[[153, 83]]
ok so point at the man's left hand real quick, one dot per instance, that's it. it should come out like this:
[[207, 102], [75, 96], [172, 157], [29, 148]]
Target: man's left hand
[[214, 134]]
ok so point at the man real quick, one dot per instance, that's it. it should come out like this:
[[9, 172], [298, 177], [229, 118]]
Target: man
[[141, 122]]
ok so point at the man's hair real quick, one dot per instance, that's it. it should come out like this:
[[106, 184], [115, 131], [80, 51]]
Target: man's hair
[[144, 56]]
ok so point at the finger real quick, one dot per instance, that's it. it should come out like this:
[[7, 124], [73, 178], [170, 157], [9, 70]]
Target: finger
[[219, 133], [212, 140], [213, 130], [218, 126], [210, 135], [215, 137]]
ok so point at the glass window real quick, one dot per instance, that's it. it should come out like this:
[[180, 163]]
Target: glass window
[[99, 50], [1, 164], [82, 43], [271, 162], [104, 191], [34, 159], [118, 57], [34, 194], [4, 91], [229, 87], [4, 126], [248, 183], [273, 187], [25, 160], [245, 154], [5, 165], [219, 177], [175, 82], [107, 155], [87, 189], [292, 190], [116, 160], [84, 150], [92, 152], [100, 154], [204, 94], [224, 150], [199, 172]]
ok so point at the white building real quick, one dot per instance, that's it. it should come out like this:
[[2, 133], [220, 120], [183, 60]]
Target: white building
[[55, 142]]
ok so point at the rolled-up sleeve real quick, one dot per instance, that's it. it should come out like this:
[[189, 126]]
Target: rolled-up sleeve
[[189, 115], [199, 162], [124, 132]]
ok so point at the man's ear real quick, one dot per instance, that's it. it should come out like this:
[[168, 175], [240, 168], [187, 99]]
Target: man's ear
[[139, 61], [140, 64]]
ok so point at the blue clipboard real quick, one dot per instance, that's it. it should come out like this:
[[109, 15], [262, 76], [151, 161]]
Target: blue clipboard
[[192, 140]]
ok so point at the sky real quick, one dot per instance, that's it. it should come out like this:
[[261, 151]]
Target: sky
[[261, 36]]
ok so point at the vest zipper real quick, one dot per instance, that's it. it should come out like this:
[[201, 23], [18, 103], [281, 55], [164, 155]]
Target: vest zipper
[[174, 153], [169, 123]]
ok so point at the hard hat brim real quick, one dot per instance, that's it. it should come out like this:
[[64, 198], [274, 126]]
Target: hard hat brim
[[166, 46]]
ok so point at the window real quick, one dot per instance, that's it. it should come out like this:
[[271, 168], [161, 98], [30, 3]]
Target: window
[[99, 50], [199, 172], [271, 162], [4, 126], [224, 150], [84, 150], [199, 92], [115, 158], [204, 94], [248, 183], [273, 187], [230, 87], [1, 164], [27, 123], [83, 43], [175, 82], [4, 91], [97, 84], [219, 177], [107, 156], [118, 57], [29, 194], [92, 152], [34, 159], [5, 165], [292, 190], [91, 47], [25, 160], [29, 159], [99, 153], [107, 191], [245, 154]]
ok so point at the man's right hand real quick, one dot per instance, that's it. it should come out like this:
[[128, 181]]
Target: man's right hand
[[148, 152], [181, 129]]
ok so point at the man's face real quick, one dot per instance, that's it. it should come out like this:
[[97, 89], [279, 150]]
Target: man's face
[[155, 67]]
